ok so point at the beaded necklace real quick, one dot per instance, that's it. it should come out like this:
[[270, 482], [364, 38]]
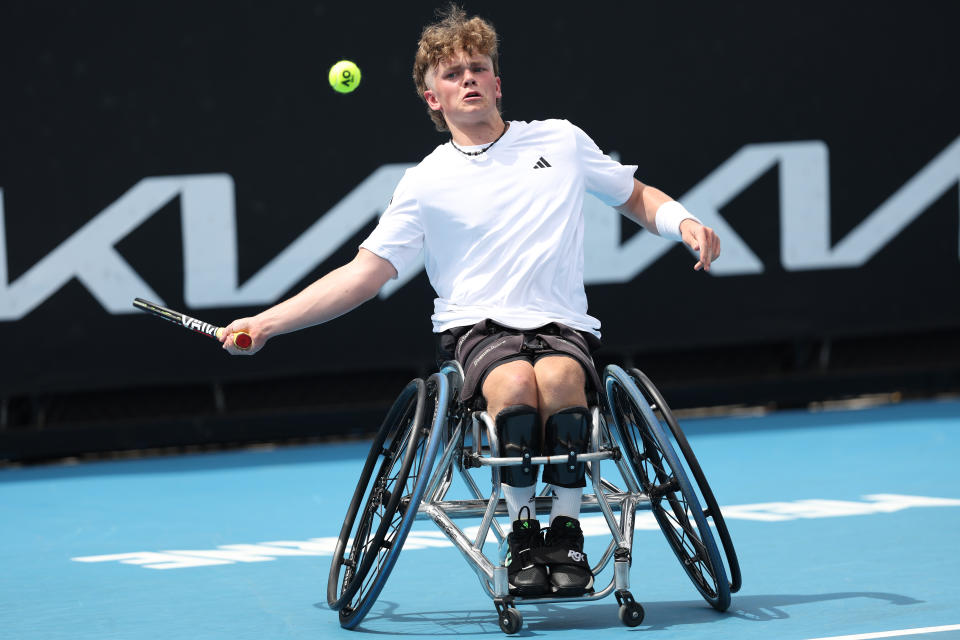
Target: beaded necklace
[[476, 153]]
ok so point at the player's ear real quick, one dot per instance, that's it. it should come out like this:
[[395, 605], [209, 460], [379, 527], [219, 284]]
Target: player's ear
[[431, 99], [499, 93]]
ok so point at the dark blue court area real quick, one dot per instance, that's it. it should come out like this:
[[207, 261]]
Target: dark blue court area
[[846, 524]]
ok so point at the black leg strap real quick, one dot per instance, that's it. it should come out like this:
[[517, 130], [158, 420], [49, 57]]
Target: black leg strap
[[518, 428], [567, 434]]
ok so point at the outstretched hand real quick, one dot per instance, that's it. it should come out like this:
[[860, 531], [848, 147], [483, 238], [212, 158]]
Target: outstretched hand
[[701, 239]]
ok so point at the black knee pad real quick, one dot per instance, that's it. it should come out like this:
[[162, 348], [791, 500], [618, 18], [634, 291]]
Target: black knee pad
[[567, 430], [518, 428]]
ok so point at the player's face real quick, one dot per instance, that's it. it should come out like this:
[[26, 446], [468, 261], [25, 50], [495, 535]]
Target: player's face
[[464, 87]]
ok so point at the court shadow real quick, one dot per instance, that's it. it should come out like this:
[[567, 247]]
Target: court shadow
[[539, 619], [759, 608]]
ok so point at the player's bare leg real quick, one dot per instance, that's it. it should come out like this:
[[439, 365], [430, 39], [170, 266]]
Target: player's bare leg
[[562, 401], [511, 393], [560, 383], [510, 390], [511, 383]]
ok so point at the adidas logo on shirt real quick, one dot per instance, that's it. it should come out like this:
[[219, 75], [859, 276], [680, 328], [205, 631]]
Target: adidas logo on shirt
[[542, 163]]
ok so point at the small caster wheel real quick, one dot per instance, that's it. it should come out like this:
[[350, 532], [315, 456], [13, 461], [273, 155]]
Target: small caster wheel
[[510, 621], [631, 614]]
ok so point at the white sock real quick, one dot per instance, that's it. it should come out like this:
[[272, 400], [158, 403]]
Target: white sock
[[566, 502], [518, 497]]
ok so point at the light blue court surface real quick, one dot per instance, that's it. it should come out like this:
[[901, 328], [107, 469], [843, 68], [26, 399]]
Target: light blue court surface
[[845, 523]]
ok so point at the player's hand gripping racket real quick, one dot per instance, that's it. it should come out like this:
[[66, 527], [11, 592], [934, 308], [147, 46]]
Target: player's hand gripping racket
[[242, 340]]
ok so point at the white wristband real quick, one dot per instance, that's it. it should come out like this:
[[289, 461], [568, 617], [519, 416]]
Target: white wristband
[[669, 216]]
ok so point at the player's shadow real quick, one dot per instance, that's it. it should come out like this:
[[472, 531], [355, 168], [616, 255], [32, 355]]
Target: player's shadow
[[759, 608], [385, 618]]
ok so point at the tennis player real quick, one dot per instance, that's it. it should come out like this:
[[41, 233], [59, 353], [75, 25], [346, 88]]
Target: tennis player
[[497, 213]]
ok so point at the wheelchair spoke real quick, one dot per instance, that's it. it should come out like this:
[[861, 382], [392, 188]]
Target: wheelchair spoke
[[381, 553], [685, 537], [391, 481], [677, 507], [367, 582], [381, 510], [379, 498]]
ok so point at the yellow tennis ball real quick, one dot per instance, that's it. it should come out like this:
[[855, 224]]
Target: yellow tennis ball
[[344, 76]]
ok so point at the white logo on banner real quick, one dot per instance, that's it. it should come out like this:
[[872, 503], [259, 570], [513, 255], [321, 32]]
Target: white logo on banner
[[208, 220]]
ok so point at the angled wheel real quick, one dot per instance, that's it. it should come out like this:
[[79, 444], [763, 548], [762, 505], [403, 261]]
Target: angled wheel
[[631, 614], [510, 621], [711, 509], [674, 504], [385, 503]]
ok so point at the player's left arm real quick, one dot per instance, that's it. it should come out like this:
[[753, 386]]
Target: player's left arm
[[646, 203]]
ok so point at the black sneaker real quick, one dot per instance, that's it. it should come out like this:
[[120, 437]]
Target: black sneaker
[[526, 577], [570, 573]]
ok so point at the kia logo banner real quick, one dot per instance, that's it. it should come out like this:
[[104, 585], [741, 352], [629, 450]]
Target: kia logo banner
[[213, 172]]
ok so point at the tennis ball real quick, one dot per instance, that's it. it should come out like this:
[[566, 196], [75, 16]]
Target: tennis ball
[[344, 76]]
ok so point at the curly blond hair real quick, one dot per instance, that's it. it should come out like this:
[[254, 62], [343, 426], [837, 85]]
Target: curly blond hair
[[452, 33]]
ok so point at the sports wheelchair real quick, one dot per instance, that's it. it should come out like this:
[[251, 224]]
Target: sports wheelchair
[[633, 428]]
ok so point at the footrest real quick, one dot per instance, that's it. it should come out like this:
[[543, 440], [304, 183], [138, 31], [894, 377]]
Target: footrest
[[477, 508]]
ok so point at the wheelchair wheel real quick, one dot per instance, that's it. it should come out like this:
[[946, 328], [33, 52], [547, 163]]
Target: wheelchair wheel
[[385, 503], [660, 474], [711, 509]]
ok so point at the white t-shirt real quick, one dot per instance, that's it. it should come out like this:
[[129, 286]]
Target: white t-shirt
[[502, 232]]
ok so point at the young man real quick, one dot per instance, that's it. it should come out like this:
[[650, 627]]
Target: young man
[[497, 211]]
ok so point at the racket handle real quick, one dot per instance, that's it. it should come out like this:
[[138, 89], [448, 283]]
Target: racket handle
[[241, 339]]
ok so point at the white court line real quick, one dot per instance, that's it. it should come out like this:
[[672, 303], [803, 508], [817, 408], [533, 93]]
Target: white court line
[[591, 525], [893, 634]]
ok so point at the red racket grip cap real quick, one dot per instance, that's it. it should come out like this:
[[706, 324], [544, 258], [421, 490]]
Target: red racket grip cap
[[243, 340]]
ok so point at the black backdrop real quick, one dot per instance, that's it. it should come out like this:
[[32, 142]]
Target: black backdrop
[[100, 95]]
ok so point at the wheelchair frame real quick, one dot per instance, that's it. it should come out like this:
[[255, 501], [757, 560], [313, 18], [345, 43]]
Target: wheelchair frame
[[650, 468]]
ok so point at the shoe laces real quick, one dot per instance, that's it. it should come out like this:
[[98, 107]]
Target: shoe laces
[[567, 534], [525, 528]]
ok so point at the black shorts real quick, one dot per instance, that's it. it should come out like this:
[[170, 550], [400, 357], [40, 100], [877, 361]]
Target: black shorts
[[484, 346]]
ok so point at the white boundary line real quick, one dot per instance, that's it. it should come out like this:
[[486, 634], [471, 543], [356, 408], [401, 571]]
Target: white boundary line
[[893, 634], [591, 525]]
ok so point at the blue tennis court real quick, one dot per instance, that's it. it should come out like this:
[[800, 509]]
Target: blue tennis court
[[845, 523]]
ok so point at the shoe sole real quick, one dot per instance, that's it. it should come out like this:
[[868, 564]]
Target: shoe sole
[[529, 591], [563, 593], [578, 590]]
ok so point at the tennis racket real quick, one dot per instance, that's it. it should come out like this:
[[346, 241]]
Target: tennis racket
[[241, 339]]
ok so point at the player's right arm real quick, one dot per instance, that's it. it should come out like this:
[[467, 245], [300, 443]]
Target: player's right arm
[[393, 245], [331, 296]]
